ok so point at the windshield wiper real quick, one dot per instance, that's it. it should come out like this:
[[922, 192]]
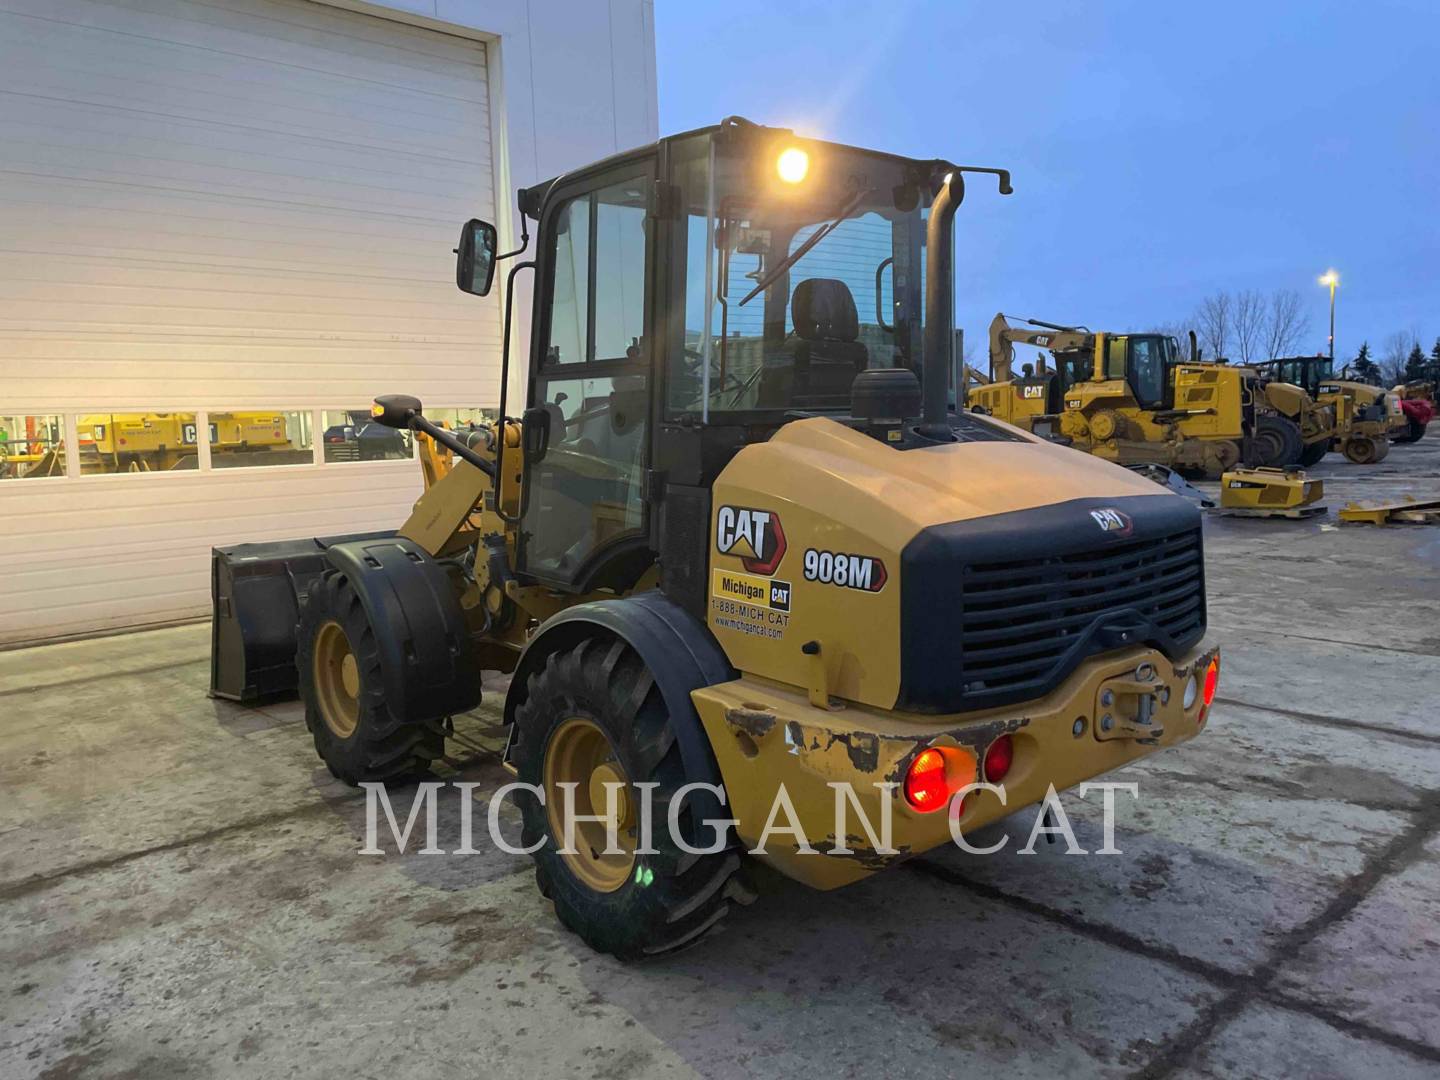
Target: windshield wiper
[[815, 238]]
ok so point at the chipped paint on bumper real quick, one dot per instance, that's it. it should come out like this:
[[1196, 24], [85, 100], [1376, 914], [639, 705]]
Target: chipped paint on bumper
[[765, 734]]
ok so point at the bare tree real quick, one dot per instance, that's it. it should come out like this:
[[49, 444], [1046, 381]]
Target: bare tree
[[1285, 324], [1393, 355], [1213, 323], [1249, 322]]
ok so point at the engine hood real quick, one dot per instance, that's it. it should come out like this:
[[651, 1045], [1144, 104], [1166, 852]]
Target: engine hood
[[892, 494]]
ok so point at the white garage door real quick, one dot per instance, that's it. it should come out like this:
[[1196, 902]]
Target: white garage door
[[227, 220]]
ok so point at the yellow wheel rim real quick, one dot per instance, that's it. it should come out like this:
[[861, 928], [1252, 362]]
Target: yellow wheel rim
[[337, 681], [579, 753]]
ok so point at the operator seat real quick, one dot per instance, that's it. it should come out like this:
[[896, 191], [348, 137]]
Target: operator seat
[[827, 356]]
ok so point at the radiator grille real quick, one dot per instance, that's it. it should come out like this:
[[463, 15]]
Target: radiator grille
[[1021, 621]]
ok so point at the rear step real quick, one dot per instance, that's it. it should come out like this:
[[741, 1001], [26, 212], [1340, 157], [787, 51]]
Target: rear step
[[256, 591]]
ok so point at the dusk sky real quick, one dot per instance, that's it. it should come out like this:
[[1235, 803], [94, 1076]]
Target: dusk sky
[[1160, 151]]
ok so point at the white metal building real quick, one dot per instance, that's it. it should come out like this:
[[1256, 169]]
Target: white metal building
[[236, 217]]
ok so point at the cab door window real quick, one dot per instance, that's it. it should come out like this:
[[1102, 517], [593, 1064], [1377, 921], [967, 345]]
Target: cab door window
[[586, 494], [1147, 371]]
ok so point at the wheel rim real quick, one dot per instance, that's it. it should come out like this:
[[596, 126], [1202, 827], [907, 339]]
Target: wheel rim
[[337, 680], [579, 753], [1270, 446]]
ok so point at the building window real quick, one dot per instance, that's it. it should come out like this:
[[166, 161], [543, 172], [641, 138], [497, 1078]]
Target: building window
[[32, 446], [259, 437], [137, 442], [351, 435]]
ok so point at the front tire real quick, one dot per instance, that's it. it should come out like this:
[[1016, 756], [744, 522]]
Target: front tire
[[1314, 453], [593, 715], [1278, 442], [355, 733]]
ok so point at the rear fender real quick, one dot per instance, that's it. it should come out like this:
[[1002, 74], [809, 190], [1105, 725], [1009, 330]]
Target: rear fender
[[677, 648]]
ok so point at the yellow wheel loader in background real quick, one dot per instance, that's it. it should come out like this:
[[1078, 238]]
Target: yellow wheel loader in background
[[738, 539], [1130, 398], [1365, 415]]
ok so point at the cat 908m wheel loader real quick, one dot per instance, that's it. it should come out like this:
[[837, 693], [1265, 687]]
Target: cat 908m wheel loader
[[739, 539]]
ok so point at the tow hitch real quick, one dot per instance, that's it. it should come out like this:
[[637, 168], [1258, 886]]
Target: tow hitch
[[1126, 706]]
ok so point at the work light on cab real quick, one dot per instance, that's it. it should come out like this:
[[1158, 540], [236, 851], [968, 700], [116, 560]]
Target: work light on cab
[[792, 164]]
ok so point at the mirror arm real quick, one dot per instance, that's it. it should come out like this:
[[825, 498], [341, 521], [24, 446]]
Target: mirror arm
[[524, 240], [444, 438]]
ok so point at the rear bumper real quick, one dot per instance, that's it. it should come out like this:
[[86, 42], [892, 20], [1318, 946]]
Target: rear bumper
[[766, 736]]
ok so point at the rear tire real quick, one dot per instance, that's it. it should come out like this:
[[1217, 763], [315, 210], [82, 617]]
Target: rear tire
[[1314, 453], [355, 733], [1414, 432], [1278, 442], [651, 904]]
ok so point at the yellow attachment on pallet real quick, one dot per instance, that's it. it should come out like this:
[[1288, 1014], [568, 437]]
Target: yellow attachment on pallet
[[1409, 511], [1269, 492]]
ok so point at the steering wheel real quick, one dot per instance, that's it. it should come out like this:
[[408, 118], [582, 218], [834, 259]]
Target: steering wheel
[[731, 381]]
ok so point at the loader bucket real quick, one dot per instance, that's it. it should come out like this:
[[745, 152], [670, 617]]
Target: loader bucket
[[256, 591]]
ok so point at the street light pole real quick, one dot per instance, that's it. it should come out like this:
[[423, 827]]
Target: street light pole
[[1332, 279]]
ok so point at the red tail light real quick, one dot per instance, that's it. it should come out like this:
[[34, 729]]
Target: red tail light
[[998, 759], [1212, 681], [936, 774], [925, 786]]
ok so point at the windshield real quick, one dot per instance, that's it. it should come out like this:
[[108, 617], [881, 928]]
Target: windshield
[[793, 287]]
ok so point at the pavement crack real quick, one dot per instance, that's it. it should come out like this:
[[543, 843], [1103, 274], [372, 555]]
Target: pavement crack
[[81, 680], [40, 882], [1096, 931], [1336, 721], [1255, 985]]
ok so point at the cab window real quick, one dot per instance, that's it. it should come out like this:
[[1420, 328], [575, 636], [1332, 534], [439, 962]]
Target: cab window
[[1147, 371]]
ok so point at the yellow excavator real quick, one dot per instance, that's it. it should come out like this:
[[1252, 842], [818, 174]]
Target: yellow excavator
[[738, 553], [1131, 398]]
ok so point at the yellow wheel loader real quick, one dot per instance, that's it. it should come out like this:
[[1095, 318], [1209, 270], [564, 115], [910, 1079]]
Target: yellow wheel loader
[[1130, 398], [742, 561], [1365, 416]]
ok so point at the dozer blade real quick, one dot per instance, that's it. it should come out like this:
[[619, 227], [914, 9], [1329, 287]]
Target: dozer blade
[[256, 591]]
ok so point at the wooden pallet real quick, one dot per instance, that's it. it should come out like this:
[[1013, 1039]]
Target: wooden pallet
[[1294, 514]]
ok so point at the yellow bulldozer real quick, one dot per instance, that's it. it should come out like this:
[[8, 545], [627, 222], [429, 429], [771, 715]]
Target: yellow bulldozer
[[738, 558], [1132, 398]]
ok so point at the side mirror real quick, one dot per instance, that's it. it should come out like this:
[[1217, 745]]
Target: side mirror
[[535, 434], [475, 257], [395, 410]]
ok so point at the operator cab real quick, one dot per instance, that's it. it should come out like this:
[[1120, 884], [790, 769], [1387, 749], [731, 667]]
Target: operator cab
[[690, 298]]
